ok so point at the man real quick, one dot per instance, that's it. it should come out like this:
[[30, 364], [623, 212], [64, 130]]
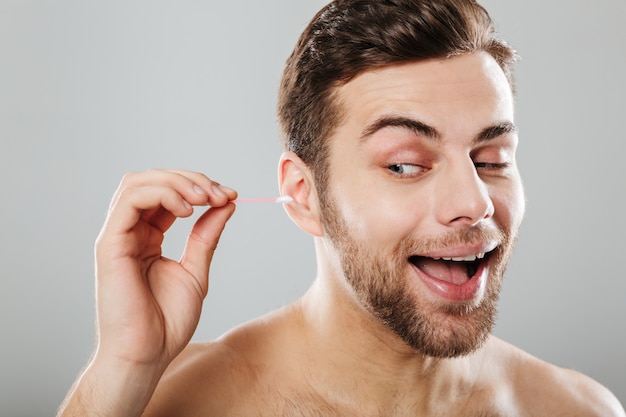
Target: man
[[400, 145]]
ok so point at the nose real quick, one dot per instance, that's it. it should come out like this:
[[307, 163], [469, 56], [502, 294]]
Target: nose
[[461, 197]]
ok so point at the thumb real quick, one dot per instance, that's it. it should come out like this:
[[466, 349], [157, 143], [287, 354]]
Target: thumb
[[202, 242]]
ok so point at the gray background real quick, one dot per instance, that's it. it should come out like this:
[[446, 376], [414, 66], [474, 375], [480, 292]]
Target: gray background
[[90, 90]]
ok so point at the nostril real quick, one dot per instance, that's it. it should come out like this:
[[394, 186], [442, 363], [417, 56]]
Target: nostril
[[471, 210], [461, 195]]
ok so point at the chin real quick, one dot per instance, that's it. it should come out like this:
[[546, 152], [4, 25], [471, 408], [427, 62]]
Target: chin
[[449, 331]]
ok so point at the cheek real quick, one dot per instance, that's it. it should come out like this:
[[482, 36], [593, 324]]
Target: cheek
[[377, 221], [510, 207]]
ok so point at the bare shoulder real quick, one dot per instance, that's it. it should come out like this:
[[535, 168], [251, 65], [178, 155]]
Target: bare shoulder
[[200, 380], [219, 377], [546, 389]]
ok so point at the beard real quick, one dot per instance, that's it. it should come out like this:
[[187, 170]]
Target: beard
[[381, 284]]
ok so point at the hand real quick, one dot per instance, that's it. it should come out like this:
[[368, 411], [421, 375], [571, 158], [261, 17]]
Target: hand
[[148, 306]]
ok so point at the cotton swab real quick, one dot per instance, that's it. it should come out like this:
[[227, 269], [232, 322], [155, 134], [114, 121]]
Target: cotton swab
[[285, 199]]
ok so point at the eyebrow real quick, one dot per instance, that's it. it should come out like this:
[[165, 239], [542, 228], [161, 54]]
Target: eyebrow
[[408, 123], [423, 129], [496, 131]]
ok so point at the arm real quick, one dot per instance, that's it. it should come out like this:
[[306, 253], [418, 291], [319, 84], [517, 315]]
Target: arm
[[148, 306]]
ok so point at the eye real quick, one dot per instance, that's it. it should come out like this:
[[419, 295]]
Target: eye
[[406, 170], [494, 159], [491, 166]]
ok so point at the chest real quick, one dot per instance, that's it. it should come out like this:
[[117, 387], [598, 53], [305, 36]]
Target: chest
[[309, 405]]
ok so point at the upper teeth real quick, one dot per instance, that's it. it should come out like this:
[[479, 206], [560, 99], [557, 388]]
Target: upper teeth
[[465, 258]]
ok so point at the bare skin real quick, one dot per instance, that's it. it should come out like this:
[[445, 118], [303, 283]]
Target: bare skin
[[499, 380], [327, 354]]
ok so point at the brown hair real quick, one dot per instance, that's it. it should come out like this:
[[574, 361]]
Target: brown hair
[[348, 37]]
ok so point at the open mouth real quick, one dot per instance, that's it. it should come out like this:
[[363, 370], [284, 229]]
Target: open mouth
[[457, 270]]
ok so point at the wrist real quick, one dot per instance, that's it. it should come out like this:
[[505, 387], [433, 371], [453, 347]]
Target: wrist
[[112, 388]]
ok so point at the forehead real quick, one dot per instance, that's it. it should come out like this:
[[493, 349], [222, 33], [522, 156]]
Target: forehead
[[462, 92]]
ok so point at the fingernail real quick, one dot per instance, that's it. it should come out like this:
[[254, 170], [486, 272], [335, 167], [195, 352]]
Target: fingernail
[[218, 191], [199, 190], [227, 189]]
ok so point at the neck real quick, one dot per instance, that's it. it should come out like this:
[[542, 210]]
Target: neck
[[358, 347]]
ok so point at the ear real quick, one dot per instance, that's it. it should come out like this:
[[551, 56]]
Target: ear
[[296, 180]]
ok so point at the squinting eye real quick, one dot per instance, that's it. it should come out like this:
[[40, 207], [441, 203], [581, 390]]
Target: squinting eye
[[405, 169], [491, 166]]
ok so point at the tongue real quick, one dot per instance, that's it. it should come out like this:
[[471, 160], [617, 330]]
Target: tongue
[[452, 272]]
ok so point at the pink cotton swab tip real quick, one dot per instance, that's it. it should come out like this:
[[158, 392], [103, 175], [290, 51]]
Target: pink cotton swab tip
[[285, 199]]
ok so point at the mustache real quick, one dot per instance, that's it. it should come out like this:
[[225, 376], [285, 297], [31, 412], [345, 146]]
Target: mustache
[[474, 235]]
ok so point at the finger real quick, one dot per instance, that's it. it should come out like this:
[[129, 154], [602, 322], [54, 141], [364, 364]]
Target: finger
[[133, 202], [160, 218], [195, 187], [202, 243], [218, 194]]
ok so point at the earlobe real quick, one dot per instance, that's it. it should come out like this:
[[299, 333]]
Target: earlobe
[[296, 180]]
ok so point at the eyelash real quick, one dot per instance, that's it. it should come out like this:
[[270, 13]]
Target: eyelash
[[490, 166], [399, 171]]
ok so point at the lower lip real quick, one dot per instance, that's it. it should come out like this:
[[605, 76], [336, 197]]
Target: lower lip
[[473, 289]]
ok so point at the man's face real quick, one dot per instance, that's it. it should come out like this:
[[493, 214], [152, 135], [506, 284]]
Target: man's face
[[424, 199]]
